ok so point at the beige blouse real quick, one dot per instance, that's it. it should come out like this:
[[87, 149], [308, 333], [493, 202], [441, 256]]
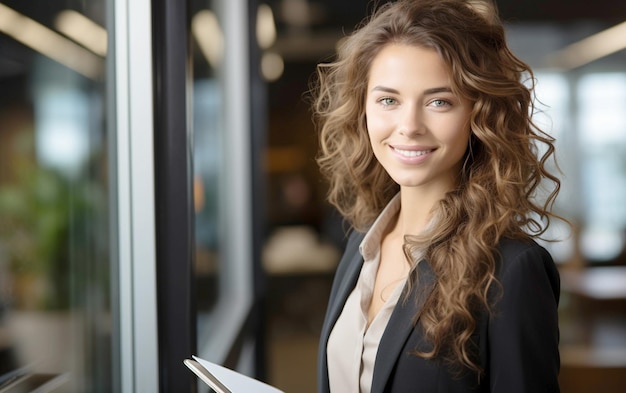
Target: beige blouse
[[352, 345]]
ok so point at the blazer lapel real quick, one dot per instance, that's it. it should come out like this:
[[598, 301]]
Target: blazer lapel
[[400, 326]]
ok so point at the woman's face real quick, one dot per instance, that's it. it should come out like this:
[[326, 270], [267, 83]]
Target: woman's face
[[419, 130]]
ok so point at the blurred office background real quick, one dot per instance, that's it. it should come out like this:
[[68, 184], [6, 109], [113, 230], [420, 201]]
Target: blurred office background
[[159, 196]]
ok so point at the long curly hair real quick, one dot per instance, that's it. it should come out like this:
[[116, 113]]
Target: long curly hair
[[504, 170]]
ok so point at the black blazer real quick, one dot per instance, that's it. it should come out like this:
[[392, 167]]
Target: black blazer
[[517, 343]]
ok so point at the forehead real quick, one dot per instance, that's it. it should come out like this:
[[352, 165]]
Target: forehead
[[405, 65]]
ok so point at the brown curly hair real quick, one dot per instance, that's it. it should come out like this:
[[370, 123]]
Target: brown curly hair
[[504, 168]]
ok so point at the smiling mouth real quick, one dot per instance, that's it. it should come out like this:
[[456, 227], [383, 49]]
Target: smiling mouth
[[412, 153]]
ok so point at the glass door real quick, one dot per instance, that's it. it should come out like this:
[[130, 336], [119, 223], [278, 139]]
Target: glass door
[[228, 123], [127, 230], [56, 261], [204, 163]]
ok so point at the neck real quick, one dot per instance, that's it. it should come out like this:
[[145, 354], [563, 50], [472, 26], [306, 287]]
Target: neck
[[415, 210]]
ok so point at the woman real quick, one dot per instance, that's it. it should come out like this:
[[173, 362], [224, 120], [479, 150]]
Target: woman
[[432, 157]]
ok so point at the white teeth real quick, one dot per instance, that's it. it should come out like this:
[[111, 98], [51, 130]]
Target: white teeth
[[412, 153]]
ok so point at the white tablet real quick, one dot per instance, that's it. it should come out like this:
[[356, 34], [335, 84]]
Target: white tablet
[[225, 380]]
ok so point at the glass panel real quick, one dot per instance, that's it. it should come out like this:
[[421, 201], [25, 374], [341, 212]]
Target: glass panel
[[206, 37], [602, 99], [55, 260], [207, 165], [223, 223]]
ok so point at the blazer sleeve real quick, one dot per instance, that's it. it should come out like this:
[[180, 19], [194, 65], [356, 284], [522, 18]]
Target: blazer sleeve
[[523, 329]]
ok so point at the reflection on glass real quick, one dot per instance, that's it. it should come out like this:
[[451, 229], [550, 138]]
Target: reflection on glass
[[55, 298], [602, 99], [207, 51], [207, 160]]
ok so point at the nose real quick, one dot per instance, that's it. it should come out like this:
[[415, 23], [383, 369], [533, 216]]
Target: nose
[[411, 120]]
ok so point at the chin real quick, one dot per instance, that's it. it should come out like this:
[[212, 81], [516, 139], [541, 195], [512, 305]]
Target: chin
[[404, 182]]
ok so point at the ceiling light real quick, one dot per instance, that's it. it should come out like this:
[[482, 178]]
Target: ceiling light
[[265, 26], [208, 34], [83, 30], [50, 43], [272, 66], [591, 48]]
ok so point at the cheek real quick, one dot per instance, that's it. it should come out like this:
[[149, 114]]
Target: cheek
[[370, 123], [373, 138], [376, 124], [461, 141], [375, 134], [457, 133], [455, 139]]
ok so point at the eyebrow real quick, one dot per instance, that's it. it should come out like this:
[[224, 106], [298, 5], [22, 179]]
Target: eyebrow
[[434, 90]]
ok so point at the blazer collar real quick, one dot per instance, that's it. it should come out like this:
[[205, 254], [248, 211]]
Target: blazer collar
[[400, 326]]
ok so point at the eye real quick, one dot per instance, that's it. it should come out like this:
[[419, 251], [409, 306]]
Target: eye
[[440, 103], [387, 101]]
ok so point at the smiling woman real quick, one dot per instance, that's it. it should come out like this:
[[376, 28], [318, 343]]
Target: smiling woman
[[418, 128], [431, 153]]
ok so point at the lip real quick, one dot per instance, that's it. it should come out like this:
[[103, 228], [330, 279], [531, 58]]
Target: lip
[[412, 154]]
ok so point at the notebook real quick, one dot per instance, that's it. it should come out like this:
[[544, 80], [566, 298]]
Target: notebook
[[225, 380]]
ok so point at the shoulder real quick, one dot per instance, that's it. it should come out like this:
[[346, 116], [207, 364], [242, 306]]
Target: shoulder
[[514, 254], [512, 248], [524, 265], [521, 353]]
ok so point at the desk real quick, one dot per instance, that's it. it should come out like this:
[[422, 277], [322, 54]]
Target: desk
[[593, 325]]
